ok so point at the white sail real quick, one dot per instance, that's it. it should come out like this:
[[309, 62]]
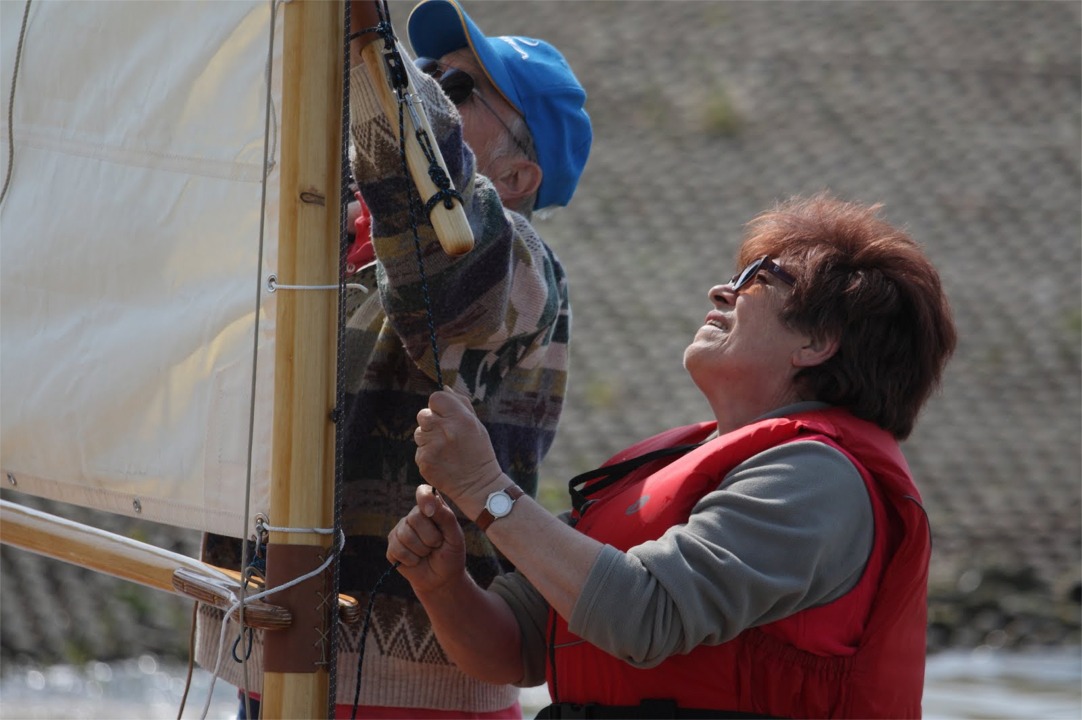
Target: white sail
[[129, 257]]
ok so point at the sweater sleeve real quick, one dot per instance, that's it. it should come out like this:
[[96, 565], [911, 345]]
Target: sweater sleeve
[[493, 306], [788, 529], [531, 610]]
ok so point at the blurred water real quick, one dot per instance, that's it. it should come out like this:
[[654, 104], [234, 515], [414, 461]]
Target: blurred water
[[983, 683]]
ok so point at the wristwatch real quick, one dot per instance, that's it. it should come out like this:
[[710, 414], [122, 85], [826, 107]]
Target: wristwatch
[[498, 505]]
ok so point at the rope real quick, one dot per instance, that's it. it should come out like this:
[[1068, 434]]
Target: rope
[[11, 102], [400, 81], [345, 187], [191, 660], [245, 550], [274, 286], [445, 192], [446, 195], [239, 603], [394, 60], [364, 634], [312, 530], [412, 201]]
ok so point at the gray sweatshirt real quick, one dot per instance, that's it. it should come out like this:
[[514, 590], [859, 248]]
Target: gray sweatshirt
[[786, 530]]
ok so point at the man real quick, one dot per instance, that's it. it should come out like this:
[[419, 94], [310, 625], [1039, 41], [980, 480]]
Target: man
[[514, 134]]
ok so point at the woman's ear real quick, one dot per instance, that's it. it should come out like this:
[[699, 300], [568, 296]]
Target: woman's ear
[[516, 180], [816, 351]]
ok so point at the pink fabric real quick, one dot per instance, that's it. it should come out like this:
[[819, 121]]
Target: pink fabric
[[378, 712], [367, 712]]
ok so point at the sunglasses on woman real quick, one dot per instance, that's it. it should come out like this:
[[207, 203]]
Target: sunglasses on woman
[[764, 263], [459, 86]]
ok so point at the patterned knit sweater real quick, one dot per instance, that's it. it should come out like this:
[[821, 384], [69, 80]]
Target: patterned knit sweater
[[501, 320]]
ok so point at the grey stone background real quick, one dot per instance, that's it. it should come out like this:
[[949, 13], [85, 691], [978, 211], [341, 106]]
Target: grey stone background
[[962, 118]]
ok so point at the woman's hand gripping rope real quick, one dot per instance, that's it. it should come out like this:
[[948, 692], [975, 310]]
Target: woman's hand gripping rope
[[428, 545], [454, 453]]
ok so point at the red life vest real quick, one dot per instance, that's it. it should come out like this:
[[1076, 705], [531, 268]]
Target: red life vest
[[860, 656]]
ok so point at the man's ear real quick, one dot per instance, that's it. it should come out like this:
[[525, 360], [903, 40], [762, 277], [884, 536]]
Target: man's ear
[[816, 351], [516, 180]]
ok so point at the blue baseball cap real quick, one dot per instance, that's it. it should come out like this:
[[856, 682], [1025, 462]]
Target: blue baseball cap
[[533, 76]]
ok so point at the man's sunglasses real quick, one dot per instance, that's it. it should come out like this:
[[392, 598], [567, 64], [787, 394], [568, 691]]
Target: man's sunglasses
[[459, 86], [764, 263]]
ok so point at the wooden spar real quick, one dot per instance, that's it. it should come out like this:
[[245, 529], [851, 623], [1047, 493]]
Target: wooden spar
[[148, 565], [450, 224], [302, 459], [128, 559]]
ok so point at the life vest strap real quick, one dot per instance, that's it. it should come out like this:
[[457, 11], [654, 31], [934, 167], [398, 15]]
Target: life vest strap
[[606, 475]]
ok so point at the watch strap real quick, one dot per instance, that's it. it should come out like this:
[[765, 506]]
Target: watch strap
[[485, 518]]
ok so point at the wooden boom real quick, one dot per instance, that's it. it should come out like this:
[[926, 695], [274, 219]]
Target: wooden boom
[[129, 559]]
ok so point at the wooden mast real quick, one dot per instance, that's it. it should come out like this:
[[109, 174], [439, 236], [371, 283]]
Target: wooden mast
[[296, 677]]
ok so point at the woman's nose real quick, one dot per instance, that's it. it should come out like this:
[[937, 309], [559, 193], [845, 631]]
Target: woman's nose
[[722, 294]]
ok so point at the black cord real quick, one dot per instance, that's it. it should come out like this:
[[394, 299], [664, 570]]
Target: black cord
[[394, 61], [345, 189], [11, 103], [364, 633]]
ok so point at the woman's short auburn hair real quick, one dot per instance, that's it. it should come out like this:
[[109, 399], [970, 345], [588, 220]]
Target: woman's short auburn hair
[[869, 285]]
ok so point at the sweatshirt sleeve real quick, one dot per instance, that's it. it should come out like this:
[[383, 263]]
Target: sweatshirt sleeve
[[531, 611], [788, 529], [491, 307]]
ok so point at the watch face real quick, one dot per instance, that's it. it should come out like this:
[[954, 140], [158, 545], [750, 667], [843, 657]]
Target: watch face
[[499, 504]]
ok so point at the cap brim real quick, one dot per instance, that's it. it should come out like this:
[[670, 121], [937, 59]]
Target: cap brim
[[439, 27]]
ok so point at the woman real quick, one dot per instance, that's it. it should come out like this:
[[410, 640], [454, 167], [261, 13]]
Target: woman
[[772, 561]]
